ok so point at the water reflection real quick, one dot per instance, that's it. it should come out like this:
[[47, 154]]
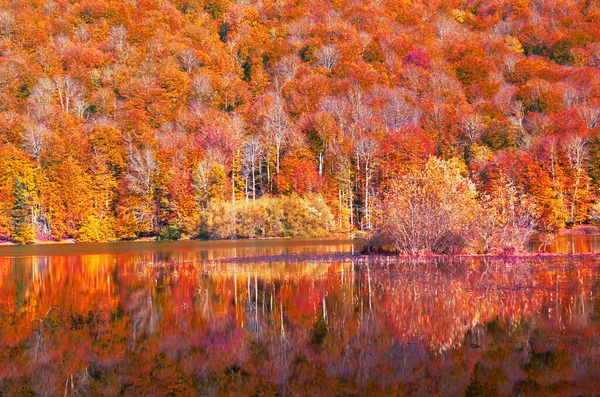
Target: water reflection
[[566, 244], [188, 250], [320, 324]]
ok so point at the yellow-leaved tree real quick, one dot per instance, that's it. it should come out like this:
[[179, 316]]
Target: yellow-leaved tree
[[506, 220], [429, 210]]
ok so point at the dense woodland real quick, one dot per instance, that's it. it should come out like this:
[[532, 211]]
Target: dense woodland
[[220, 119]]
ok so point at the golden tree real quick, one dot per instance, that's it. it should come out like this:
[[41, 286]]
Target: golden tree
[[429, 210]]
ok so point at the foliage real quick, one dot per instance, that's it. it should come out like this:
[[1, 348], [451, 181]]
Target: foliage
[[151, 322], [152, 115], [430, 210], [506, 220], [95, 229], [286, 216]]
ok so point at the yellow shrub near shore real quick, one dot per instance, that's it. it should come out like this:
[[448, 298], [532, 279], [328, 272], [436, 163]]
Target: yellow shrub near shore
[[286, 216]]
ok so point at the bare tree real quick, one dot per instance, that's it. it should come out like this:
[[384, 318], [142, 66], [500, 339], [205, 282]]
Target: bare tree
[[299, 30], [327, 57], [236, 128], [79, 107], [201, 87], [538, 89], [286, 68], [399, 112], [117, 38], [358, 103], [82, 33], [590, 114], [69, 91], [40, 101], [538, 123], [366, 147], [442, 81], [201, 180], [506, 220], [7, 23], [276, 126], [510, 62], [252, 151], [576, 150], [34, 138], [364, 39], [340, 111], [472, 127], [445, 27], [141, 170], [60, 42], [518, 114], [504, 98], [50, 7], [188, 60], [571, 96]]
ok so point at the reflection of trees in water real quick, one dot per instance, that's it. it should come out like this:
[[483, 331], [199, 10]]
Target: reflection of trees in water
[[144, 316], [325, 327]]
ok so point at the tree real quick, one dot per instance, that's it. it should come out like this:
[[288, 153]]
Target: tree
[[7, 24], [429, 210], [590, 114], [207, 179], [276, 126], [34, 139], [506, 221], [23, 230], [366, 148], [41, 101], [298, 173], [138, 213], [327, 57], [188, 60], [141, 170], [579, 197], [399, 113], [70, 93], [286, 69], [252, 152]]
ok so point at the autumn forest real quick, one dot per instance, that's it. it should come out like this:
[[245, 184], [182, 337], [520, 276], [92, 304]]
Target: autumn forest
[[222, 119]]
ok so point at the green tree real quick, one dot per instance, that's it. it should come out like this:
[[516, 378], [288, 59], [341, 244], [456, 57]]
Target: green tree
[[23, 230]]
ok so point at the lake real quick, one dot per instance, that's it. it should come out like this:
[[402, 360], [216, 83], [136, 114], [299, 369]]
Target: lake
[[294, 317]]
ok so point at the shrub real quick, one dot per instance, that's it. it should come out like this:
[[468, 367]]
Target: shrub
[[97, 229], [506, 220], [292, 216], [429, 210]]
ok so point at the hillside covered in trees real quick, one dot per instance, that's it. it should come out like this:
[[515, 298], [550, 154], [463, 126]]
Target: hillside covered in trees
[[214, 118]]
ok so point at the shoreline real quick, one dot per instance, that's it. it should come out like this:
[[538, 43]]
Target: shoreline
[[580, 230], [154, 240]]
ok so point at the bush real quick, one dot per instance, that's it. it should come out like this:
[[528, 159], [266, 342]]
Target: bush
[[170, 233], [438, 210], [96, 229], [24, 234], [292, 216], [506, 220], [429, 210], [306, 216]]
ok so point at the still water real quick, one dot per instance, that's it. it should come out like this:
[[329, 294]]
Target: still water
[[293, 317]]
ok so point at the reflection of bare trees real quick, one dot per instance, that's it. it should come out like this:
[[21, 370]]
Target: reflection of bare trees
[[346, 323], [144, 316]]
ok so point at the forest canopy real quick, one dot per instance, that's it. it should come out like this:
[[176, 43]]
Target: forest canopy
[[125, 119]]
